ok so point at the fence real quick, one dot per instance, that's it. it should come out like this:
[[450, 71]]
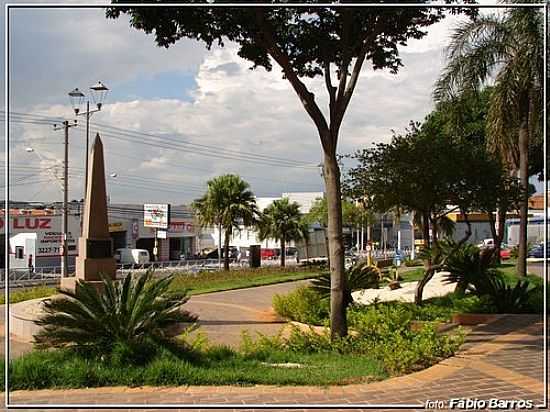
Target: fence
[[52, 275]]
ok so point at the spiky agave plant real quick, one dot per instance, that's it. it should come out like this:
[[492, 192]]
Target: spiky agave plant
[[133, 313], [360, 276]]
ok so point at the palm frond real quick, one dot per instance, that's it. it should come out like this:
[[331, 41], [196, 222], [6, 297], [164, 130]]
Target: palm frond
[[130, 311]]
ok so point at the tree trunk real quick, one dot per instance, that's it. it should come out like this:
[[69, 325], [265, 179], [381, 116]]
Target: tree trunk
[[461, 287], [226, 250], [435, 230], [501, 218], [327, 246], [336, 250], [422, 282], [523, 206], [283, 251], [494, 234], [426, 228], [219, 246], [413, 246]]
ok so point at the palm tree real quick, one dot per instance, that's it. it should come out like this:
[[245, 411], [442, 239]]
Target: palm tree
[[282, 221], [137, 313], [508, 48], [228, 204], [303, 234]]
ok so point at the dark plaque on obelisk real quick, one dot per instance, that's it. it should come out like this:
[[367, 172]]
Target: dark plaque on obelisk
[[95, 249]]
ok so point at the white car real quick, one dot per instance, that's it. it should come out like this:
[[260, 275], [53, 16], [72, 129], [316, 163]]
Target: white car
[[126, 256]]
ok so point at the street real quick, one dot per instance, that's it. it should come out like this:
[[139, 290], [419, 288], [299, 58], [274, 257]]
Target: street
[[536, 268]]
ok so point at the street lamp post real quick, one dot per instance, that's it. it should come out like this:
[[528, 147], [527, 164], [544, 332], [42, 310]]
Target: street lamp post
[[112, 176], [98, 93]]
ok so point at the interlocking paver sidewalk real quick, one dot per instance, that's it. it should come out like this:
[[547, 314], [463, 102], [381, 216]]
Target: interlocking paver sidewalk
[[503, 359]]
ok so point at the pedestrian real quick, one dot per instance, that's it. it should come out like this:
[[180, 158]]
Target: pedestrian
[[239, 256], [30, 265]]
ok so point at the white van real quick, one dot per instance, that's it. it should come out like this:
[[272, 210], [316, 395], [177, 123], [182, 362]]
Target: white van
[[128, 256]]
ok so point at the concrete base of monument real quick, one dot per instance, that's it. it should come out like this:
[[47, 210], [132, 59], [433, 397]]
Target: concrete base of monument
[[91, 269], [22, 317], [71, 284]]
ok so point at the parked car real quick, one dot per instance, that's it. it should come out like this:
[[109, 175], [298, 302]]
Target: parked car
[[127, 256], [291, 251], [268, 253], [487, 243], [536, 251], [505, 253]]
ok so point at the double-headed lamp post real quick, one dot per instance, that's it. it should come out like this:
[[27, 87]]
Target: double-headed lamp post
[[98, 92]]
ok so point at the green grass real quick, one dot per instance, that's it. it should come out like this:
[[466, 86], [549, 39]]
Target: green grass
[[28, 294], [214, 366], [208, 282], [202, 282], [411, 275], [508, 271]]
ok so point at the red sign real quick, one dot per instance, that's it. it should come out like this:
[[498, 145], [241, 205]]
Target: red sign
[[29, 223]]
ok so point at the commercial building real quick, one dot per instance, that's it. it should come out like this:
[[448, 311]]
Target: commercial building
[[245, 236], [128, 231], [35, 233]]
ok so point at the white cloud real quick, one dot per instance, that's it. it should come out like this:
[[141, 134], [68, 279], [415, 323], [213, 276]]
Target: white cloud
[[233, 109]]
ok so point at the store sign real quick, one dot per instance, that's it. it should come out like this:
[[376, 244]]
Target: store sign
[[135, 229], [156, 215], [38, 224], [27, 223], [181, 226], [49, 244], [161, 234], [176, 228], [117, 227]]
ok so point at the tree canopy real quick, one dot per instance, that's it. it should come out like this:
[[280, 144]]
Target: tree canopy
[[306, 42], [281, 220], [229, 204]]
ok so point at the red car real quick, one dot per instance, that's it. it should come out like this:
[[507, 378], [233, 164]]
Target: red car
[[505, 254], [268, 253]]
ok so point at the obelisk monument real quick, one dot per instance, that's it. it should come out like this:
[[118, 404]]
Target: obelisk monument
[[95, 249]]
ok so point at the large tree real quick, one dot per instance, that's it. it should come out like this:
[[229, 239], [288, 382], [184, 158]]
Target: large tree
[[281, 220], [431, 173], [508, 48], [228, 204], [306, 42], [413, 173]]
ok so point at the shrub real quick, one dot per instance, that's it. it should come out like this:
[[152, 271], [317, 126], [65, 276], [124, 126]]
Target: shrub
[[412, 262], [383, 331], [125, 321], [359, 276], [536, 299], [506, 298], [472, 269], [28, 294], [302, 305]]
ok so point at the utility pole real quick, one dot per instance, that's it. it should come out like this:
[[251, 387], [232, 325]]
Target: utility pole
[[88, 114], [64, 224], [64, 261]]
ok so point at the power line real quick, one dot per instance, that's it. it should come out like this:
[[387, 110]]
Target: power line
[[169, 142]]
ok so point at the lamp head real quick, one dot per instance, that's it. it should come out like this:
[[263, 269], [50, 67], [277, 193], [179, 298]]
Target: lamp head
[[99, 91], [76, 97]]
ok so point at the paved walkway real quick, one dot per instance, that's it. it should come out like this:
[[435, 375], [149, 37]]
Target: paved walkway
[[437, 286], [501, 360], [222, 315]]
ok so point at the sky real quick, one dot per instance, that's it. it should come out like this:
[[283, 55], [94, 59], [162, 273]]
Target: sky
[[200, 113]]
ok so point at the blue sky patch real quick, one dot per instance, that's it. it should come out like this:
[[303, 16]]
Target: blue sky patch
[[168, 85]]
